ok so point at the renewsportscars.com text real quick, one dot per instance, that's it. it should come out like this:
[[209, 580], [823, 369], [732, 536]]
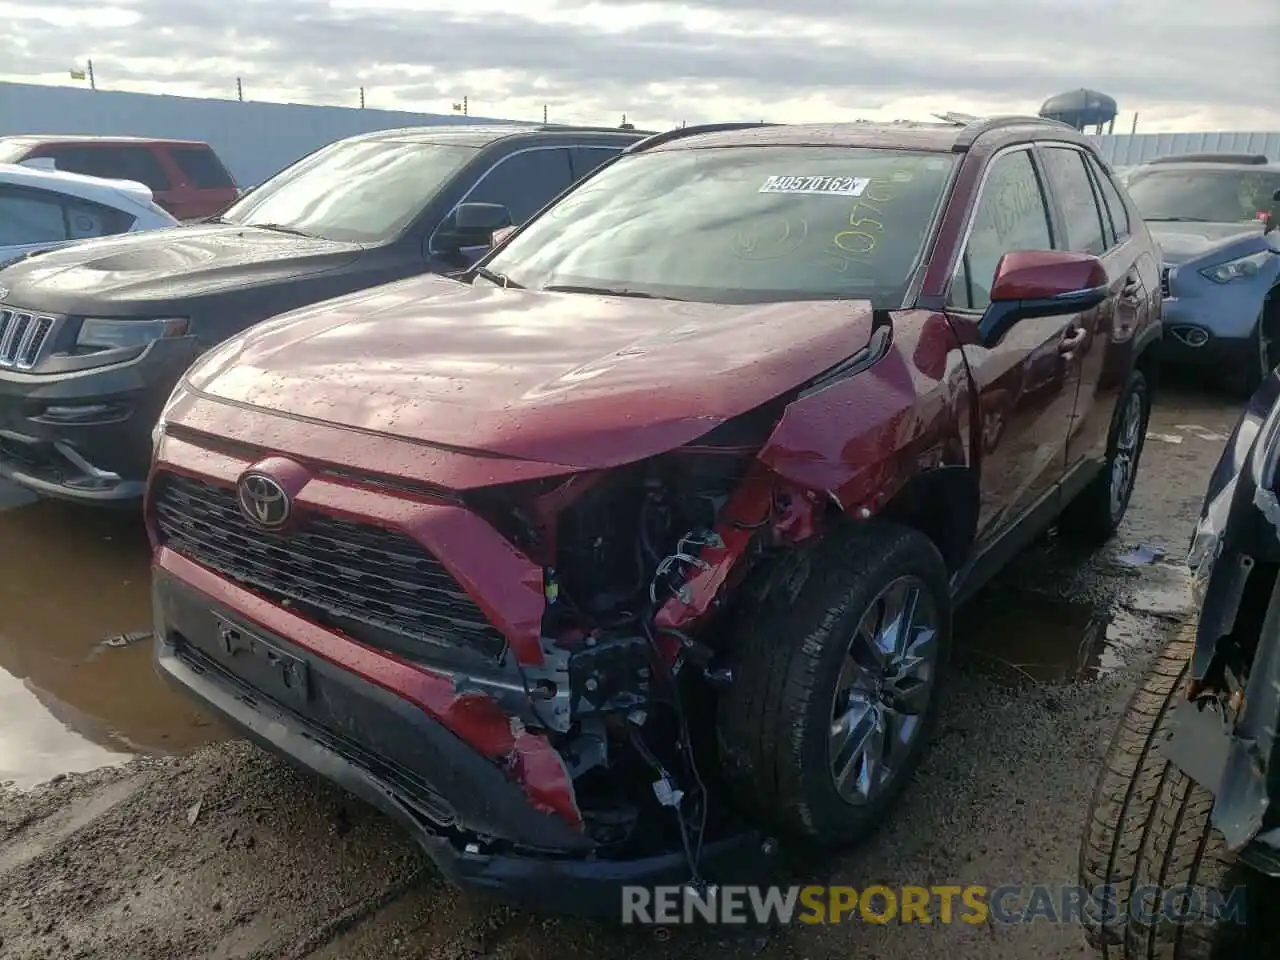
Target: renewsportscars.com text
[[968, 904]]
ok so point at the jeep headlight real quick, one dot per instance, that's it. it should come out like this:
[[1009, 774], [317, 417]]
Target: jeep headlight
[[97, 333], [1238, 269]]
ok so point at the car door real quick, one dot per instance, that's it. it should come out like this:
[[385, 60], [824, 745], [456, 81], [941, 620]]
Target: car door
[[524, 182], [1024, 406], [1098, 367]]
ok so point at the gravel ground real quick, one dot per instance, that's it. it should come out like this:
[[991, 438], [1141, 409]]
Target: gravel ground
[[228, 853]]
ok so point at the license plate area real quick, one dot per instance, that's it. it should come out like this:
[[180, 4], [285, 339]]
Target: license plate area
[[263, 665]]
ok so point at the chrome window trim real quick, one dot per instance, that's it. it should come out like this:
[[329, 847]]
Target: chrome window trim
[[972, 215]]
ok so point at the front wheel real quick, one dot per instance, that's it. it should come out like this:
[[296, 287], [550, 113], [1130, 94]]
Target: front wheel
[[1263, 355], [836, 683], [1149, 844]]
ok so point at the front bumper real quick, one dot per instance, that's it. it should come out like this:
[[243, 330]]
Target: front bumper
[[86, 436], [1207, 323], [463, 809]]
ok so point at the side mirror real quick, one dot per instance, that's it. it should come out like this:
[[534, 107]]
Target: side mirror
[[1042, 283], [1271, 218], [471, 225]]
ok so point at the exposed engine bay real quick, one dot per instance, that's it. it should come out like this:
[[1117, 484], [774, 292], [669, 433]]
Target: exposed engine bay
[[640, 564]]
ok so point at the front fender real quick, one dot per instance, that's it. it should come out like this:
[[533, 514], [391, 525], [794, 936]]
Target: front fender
[[860, 438]]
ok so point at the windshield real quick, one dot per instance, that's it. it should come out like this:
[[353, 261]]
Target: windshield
[[366, 191], [1211, 196], [739, 225]]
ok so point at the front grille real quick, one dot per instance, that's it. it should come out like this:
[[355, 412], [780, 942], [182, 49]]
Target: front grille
[[367, 581], [23, 336], [1164, 281]]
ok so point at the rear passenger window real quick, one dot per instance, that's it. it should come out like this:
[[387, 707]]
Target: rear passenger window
[[1116, 208], [1011, 216], [40, 216], [525, 182], [115, 163], [1069, 181], [586, 159], [201, 167], [30, 216]]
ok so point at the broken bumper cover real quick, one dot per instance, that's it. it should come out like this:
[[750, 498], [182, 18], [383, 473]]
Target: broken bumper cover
[[470, 816], [1237, 540], [1237, 762]]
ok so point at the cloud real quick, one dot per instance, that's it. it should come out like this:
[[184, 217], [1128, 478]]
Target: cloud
[[1182, 64]]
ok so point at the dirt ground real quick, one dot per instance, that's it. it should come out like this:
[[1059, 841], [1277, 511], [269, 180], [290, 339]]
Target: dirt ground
[[159, 837]]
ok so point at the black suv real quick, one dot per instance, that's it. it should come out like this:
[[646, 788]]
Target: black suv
[[94, 336]]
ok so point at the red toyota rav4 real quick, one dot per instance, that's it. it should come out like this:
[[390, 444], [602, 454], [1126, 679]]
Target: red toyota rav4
[[636, 546]]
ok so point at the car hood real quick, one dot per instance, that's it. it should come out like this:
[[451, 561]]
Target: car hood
[[166, 265], [1180, 242], [572, 379]]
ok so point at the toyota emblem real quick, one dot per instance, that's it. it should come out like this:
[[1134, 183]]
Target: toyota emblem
[[263, 501]]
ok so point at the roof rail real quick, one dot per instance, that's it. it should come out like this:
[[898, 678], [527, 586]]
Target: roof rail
[[585, 128], [1249, 159], [974, 130], [680, 132]]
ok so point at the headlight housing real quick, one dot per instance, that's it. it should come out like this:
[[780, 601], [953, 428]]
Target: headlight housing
[[157, 432], [98, 333], [1238, 269]]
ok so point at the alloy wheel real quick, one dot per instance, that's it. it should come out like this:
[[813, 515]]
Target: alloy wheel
[[1124, 464], [884, 689]]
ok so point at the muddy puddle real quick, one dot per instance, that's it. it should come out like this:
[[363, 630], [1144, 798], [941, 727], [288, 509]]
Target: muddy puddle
[[1021, 636], [77, 689]]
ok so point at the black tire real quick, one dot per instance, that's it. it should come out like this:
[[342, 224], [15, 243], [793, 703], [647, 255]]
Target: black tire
[[1092, 518], [1125, 796], [1257, 362], [1148, 827], [775, 720]]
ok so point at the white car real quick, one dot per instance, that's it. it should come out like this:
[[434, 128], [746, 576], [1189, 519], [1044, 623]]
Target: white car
[[42, 208]]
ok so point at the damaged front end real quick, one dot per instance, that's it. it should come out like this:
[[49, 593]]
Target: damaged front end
[[639, 568], [1226, 731], [524, 674]]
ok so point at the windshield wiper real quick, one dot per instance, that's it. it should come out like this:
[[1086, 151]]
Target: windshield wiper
[[280, 228], [501, 279], [1178, 220], [602, 291]]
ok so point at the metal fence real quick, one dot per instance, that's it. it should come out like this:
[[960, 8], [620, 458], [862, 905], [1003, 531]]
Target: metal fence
[[1126, 149], [256, 139], [253, 139]]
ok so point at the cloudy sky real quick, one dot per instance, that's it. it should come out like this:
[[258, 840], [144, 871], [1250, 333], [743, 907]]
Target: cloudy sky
[[1181, 64]]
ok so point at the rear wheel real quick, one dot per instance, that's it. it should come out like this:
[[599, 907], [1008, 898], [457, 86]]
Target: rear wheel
[[1095, 514], [836, 681]]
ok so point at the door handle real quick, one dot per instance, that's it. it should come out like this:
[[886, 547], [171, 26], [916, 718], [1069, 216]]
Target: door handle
[[1071, 340]]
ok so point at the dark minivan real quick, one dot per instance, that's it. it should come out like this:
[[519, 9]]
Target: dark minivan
[[93, 337]]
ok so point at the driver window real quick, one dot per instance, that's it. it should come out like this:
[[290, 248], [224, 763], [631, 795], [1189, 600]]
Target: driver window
[[1012, 215]]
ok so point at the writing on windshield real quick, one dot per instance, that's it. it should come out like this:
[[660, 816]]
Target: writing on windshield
[[739, 225]]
